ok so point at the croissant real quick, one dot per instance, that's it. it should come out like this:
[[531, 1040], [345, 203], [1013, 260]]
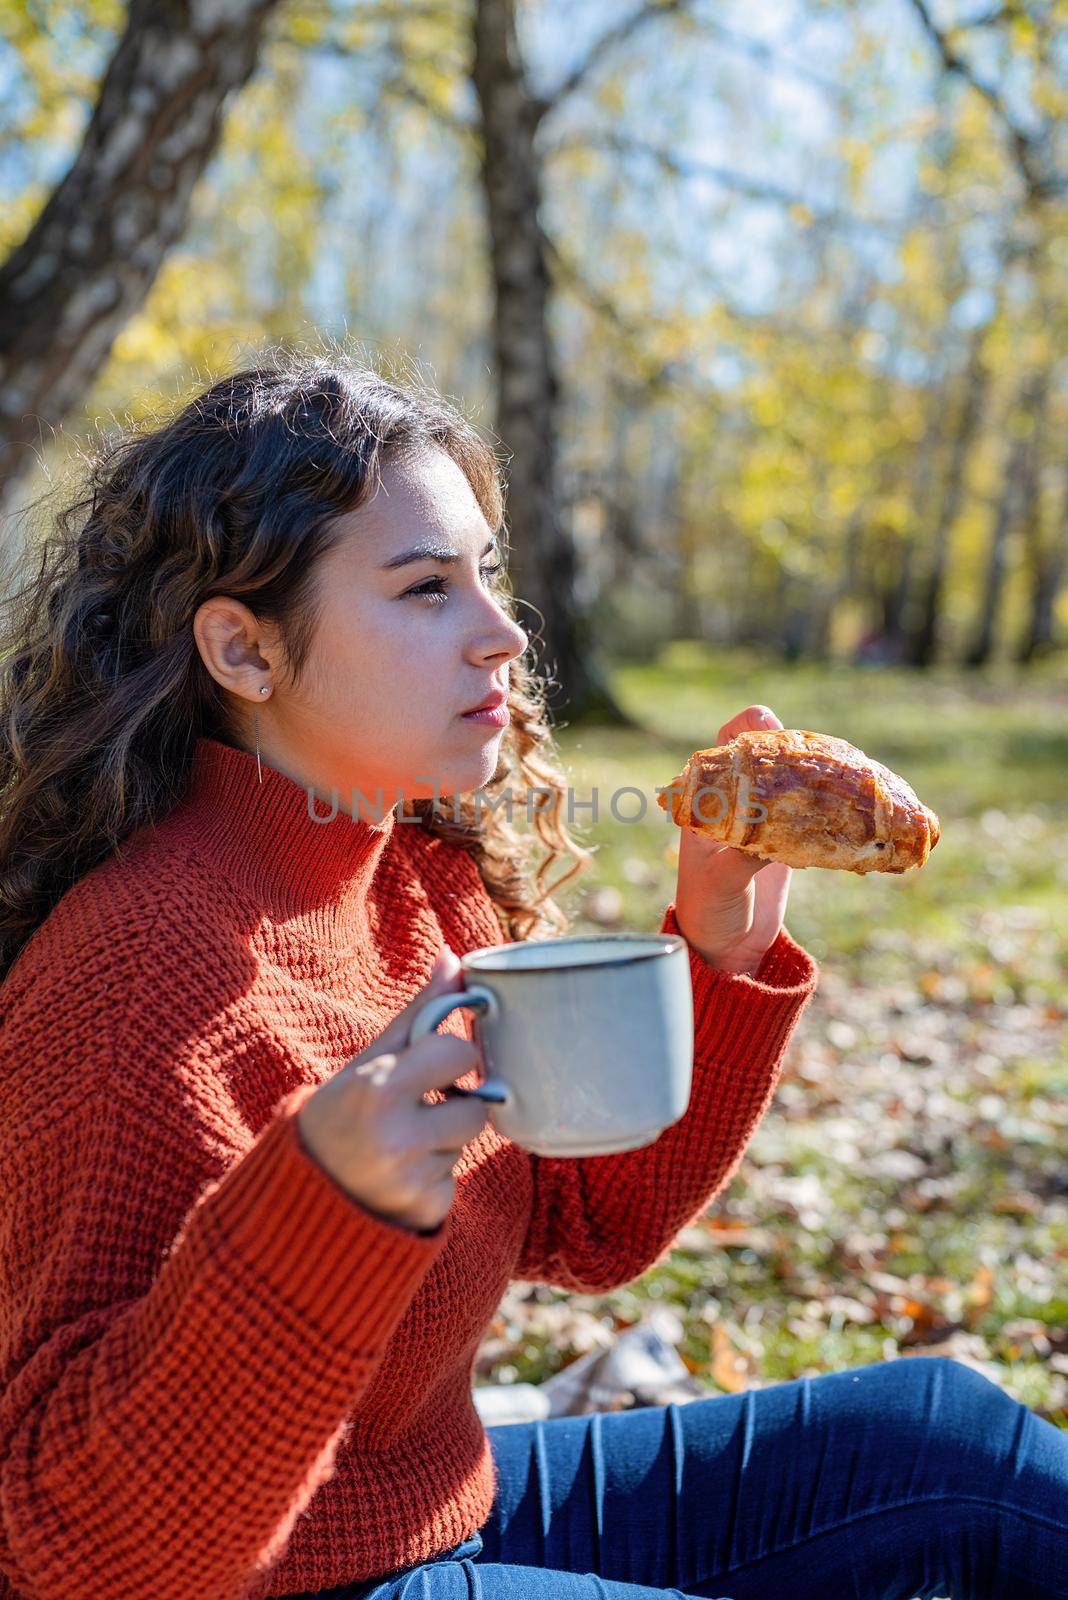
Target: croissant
[[806, 799]]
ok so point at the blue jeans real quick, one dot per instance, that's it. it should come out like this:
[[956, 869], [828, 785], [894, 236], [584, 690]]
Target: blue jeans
[[917, 1477]]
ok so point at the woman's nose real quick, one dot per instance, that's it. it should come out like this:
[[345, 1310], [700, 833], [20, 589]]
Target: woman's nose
[[508, 638], [520, 638]]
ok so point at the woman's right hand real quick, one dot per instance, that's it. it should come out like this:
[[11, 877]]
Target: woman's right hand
[[370, 1128]]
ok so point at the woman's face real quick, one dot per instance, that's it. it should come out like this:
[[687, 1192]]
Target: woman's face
[[405, 644]]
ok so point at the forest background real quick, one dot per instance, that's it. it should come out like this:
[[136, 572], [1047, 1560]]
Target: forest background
[[766, 309]]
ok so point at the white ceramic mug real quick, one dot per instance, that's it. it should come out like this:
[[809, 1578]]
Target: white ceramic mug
[[586, 1041]]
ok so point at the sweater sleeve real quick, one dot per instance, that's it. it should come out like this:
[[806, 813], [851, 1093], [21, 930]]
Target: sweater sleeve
[[184, 1327], [599, 1221]]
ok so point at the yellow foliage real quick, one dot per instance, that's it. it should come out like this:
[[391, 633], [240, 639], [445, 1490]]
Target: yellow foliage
[[612, 96]]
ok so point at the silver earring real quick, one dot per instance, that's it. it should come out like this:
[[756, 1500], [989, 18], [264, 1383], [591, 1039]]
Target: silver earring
[[266, 689]]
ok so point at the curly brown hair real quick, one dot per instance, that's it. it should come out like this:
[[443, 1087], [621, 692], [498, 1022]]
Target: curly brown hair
[[103, 692]]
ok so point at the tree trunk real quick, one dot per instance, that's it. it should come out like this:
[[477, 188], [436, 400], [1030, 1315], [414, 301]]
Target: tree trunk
[[687, 610], [542, 557], [1047, 584], [899, 600], [1018, 493], [895, 598], [923, 641], [819, 617], [1048, 570], [91, 257]]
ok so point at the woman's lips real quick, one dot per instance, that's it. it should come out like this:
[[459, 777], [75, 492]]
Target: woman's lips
[[497, 718]]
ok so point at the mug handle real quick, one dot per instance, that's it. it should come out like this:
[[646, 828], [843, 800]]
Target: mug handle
[[493, 1090]]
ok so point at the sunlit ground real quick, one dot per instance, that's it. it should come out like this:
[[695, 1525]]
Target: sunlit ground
[[907, 1193]]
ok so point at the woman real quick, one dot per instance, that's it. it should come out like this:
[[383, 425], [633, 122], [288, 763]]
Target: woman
[[251, 1246]]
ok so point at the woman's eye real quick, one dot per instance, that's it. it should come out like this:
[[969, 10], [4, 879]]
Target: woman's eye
[[436, 589]]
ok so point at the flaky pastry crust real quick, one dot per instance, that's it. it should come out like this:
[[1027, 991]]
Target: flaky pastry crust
[[806, 799]]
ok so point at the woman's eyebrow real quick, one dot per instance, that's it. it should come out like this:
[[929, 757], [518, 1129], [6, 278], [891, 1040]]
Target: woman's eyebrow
[[429, 551]]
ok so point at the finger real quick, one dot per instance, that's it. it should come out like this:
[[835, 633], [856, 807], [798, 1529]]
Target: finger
[[435, 1166], [446, 969], [453, 1123], [715, 857], [753, 719], [732, 871], [430, 1063], [772, 883], [436, 1061], [772, 889], [776, 875]]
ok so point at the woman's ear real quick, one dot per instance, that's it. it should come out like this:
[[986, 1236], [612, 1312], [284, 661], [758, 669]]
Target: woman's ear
[[234, 645]]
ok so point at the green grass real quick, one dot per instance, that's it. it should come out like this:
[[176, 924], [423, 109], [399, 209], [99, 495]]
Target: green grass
[[993, 749], [923, 1105]]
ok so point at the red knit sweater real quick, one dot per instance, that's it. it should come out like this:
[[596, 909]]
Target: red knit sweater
[[220, 1375]]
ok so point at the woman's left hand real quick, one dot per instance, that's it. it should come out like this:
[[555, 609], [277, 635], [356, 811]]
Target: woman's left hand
[[729, 905]]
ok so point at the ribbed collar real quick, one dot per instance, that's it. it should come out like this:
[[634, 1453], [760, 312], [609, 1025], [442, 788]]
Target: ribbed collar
[[262, 836]]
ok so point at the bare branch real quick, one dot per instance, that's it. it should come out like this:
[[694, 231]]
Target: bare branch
[[996, 15], [390, 12], [1038, 182], [400, 84], [679, 166], [609, 41], [761, 51], [657, 377], [402, 87]]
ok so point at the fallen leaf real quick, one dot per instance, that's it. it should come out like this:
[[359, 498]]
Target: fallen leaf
[[979, 1295], [728, 1366]]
